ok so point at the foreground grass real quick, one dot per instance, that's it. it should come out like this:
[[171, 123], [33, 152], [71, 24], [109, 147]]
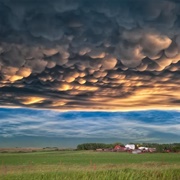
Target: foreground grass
[[89, 165], [123, 174]]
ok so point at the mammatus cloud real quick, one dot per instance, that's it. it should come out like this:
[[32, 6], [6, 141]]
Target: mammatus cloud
[[88, 55]]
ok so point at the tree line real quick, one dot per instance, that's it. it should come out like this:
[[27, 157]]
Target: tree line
[[175, 147], [94, 146]]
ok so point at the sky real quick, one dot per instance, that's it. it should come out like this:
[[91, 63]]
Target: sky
[[47, 128], [88, 60]]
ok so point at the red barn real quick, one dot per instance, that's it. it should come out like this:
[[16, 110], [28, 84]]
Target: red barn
[[119, 148]]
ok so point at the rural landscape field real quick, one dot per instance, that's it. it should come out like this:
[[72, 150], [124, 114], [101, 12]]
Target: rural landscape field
[[89, 165], [89, 89]]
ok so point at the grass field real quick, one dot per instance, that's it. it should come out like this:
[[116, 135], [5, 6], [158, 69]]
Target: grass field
[[72, 165]]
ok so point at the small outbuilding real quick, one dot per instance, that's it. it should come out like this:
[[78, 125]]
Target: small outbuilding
[[130, 146], [143, 148]]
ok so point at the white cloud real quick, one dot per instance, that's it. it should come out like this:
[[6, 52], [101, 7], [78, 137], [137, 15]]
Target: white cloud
[[55, 124]]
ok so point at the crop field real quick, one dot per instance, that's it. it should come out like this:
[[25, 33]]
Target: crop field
[[89, 165]]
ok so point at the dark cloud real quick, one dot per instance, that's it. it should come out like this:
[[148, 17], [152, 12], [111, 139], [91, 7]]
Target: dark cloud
[[65, 54]]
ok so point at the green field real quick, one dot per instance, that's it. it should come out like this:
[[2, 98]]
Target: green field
[[89, 165]]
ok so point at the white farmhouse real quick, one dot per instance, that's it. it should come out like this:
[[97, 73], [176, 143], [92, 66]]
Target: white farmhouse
[[130, 146]]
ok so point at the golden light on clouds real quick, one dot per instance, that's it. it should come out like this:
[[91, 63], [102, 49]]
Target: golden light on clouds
[[98, 57], [31, 100]]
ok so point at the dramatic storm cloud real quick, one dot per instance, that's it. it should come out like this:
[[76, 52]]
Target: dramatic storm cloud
[[90, 55]]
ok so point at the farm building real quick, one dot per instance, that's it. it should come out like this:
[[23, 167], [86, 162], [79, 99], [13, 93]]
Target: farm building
[[143, 148], [152, 149], [130, 146], [147, 149], [119, 148]]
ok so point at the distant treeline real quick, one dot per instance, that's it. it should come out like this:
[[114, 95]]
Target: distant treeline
[[175, 147], [94, 146]]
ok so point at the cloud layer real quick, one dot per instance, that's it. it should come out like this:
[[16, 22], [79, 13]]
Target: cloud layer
[[89, 55], [141, 126]]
